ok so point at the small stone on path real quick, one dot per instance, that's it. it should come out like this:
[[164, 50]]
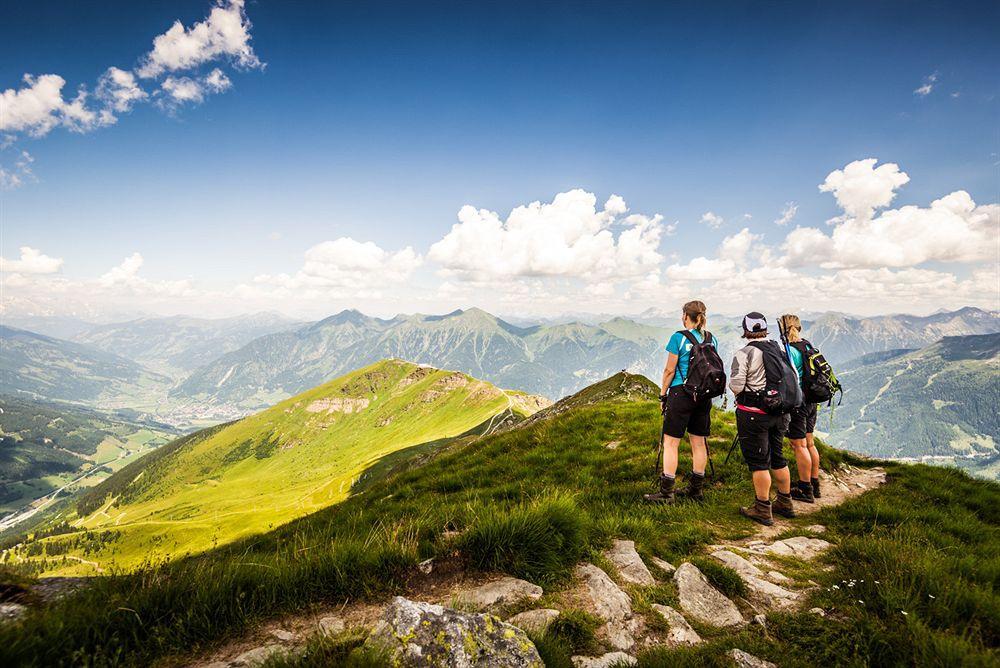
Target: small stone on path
[[760, 589], [680, 632], [505, 591], [816, 528], [534, 620], [746, 660], [801, 547], [609, 660], [629, 564], [664, 566], [332, 625], [818, 611], [257, 655], [702, 601], [426, 566]]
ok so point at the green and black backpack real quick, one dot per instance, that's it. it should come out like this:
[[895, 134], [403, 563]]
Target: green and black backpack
[[819, 382]]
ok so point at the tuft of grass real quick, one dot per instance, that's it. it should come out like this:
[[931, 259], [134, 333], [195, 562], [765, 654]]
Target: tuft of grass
[[577, 629], [723, 578], [332, 651], [539, 541]]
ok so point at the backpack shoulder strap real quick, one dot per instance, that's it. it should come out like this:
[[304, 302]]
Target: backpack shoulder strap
[[690, 337]]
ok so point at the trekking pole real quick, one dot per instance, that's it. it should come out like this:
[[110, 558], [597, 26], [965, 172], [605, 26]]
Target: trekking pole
[[708, 456], [736, 439]]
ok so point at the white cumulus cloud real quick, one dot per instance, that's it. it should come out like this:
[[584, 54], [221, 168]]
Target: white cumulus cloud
[[125, 277], [119, 90], [347, 263], [860, 187], [787, 213], [225, 33], [32, 261], [712, 220], [567, 237]]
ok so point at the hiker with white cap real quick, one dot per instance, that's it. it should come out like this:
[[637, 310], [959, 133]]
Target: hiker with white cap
[[766, 388]]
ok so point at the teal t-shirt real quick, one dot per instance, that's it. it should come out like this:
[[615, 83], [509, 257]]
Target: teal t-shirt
[[796, 359], [680, 346]]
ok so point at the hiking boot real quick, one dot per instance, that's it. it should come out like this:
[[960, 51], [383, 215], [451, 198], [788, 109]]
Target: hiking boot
[[783, 505], [760, 512], [696, 487], [815, 486], [666, 493], [803, 492]]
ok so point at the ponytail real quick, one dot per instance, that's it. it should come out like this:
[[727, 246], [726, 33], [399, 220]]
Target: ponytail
[[792, 326], [695, 312]]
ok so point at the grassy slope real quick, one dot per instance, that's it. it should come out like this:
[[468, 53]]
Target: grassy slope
[[535, 500], [267, 469]]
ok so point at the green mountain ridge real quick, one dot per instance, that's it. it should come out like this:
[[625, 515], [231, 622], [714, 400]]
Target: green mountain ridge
[[248, 476]]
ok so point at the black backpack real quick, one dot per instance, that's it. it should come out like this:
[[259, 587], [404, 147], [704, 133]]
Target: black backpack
[[781, 392], [706, 376], [819, 382]]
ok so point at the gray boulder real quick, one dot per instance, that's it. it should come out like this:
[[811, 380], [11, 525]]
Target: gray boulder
[[664, 566], [505, 591], [800, 547], [746, 660], [609, 660], [760, 589], [421, 635], [680, 632], [702, 601], [612, 605], [534, 620], [629, 564]]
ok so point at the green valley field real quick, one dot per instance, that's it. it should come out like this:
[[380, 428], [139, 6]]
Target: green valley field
[[249, 476]]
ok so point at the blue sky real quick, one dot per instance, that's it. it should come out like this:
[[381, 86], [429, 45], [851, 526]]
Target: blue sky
[[378, 121]]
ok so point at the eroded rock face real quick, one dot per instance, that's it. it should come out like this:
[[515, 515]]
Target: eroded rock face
[[421, 635], [746, 660], [611, 604], [680, 632], [629, 564], [760, 589], [702, 601], [607, 661], [800, 547], [338, 405], [534, 620], [504, 591]]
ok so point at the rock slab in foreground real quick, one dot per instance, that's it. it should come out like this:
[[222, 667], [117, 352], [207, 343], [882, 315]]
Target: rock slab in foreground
[[504, 591], [680, 632], [702, 601], [629, 564], [762, 591], [609, 660], [800, 547], [611, 604], [420, 635], [746, 660]]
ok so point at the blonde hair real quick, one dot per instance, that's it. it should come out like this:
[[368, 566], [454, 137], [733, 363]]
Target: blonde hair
[[695, 312], [792, 326]]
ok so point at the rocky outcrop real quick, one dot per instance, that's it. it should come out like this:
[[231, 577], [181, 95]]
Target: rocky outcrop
[[800, 547], [504, 591], [760, 589], [680, 632], [609, 660], [702, 601], [630, 566], [746, 660], [534, 620], [664, 566], [612, 605], [420, 635]]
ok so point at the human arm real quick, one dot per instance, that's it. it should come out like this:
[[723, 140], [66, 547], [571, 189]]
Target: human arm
[[669, 369], [738, 373]]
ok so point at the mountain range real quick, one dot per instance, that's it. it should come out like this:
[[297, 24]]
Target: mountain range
[[934, 403]]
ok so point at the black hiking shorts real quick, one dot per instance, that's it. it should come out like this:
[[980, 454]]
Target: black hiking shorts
[[803, 421], [761, 439], [686, 414]]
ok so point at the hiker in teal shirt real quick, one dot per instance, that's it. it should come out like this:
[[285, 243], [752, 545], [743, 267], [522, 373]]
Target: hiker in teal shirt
[[802, 419], [681, 412]]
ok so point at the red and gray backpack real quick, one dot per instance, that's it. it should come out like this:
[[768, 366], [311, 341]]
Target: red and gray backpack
[[706, 376]]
